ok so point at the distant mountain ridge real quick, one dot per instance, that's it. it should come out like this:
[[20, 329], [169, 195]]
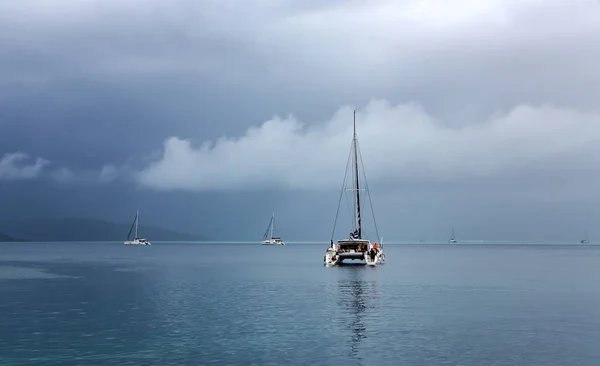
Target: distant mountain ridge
[[6, 238], [80, 229]]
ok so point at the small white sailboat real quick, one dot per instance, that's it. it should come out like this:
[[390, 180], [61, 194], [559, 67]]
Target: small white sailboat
[[355, 248], [268, 238], [136, 239], [585, 239], [452, 238]]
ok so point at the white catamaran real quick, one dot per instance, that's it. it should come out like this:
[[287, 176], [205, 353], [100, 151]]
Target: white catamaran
[[270, 239], [355, 248], [452, 238], [136, 240]]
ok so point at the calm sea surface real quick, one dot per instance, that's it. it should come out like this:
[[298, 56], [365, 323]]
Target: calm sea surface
[[244, 304]]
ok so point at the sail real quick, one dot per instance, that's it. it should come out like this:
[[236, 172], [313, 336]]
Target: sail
[[137, 224], [132, 226], [266, 235]]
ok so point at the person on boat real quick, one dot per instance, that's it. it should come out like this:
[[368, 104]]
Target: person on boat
[[372, 254]]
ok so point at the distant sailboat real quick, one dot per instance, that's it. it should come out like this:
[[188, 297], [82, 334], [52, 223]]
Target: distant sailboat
[[452, 238], [270, 239], [585, 239], [136, 240]]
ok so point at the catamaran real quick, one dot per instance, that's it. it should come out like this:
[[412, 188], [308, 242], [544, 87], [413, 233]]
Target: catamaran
[[355, 247], [452, 238], [270, 239], [136, 240]]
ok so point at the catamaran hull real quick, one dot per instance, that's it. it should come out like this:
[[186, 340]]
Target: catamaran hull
[[136, 243], [334, 259], [273, 241]]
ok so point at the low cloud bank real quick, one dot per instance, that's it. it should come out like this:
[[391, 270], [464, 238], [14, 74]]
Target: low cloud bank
[[398, 143]]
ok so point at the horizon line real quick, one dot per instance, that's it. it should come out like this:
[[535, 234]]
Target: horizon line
[[396, 242]]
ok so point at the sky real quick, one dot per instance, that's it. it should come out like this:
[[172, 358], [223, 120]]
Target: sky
[[210, 115]]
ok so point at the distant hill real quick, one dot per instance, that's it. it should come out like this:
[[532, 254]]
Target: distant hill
[[72, 229], [5, 238]]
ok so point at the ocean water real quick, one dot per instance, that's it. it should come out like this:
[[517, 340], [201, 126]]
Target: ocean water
[[247, 304]]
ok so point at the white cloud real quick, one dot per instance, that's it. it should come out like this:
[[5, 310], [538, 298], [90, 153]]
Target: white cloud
[[14, 166], [107, 174], [398, 143]]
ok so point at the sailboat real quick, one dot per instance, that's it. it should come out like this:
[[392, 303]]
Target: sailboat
[[136, 240], [355, 247], [270, 239], [585, 239], [452, 238]]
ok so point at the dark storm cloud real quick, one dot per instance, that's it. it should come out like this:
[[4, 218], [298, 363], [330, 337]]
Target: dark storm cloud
[[165, 93], [111, 80]]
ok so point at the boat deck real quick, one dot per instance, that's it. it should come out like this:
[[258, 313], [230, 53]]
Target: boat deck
[[353, 249]]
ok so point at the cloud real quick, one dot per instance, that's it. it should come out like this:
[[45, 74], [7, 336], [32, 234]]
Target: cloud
[[14, 166], [63, 175], [399, 143], [461, 61], [493, 51], [18, 166], [107, 174]]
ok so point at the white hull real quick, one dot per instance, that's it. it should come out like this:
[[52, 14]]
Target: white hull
[[333, 260], [333, 257], [452, 241], [137, 242], [273, 242]]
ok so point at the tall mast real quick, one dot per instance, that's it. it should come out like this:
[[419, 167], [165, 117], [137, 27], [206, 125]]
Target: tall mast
[[137, 222], [272, 224], [354, 145]]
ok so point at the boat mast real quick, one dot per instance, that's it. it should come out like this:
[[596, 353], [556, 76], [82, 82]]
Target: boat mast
[[272, 224], [354, 143], [137, 223]]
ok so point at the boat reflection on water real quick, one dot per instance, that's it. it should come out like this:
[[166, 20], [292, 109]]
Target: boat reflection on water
[[358, 302]]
